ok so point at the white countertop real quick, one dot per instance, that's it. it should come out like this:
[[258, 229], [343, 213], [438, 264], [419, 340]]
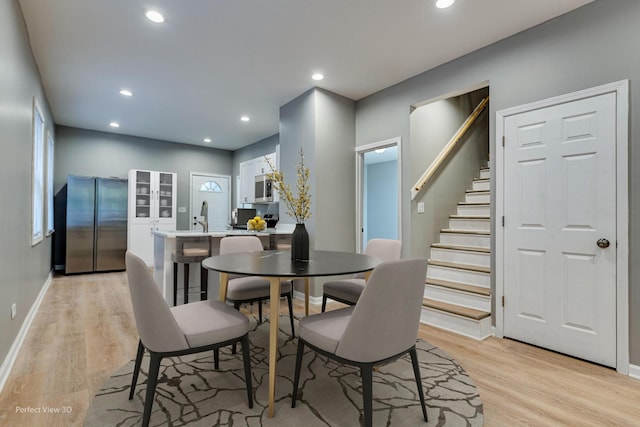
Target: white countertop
[[218, 233]]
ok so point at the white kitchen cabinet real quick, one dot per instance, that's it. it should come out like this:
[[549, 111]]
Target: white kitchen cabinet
[[262, 166], [152, 206], [247, 181]]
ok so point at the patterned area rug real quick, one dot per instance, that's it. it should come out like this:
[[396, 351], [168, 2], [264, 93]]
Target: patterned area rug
[[190, 392]]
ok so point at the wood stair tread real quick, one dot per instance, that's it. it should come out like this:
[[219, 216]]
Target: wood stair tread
[[474, 204], [478, 217], [455, 309], [478, 191], [469, 267], [461, 248], [481, 179], [473, 289], [480, 232]]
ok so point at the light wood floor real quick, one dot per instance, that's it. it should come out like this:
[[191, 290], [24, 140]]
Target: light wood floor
[[84, 331]]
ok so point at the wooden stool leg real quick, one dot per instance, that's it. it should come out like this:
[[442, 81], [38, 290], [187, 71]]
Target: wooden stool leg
[[186, 282], [175, 284], [204, 283]]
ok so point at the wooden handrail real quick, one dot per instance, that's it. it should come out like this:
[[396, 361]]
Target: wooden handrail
[[440, 159]]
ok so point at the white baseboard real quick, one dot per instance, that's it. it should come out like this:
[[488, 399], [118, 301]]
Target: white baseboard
[[634, 371], [312, 300], [7, 364]]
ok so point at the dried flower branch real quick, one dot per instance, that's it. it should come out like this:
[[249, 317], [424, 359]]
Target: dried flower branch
[[299, 207]]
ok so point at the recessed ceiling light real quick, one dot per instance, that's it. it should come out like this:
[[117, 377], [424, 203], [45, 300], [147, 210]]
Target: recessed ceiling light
[[114, 124], [443, 4], [207, 140], [317, 76], [126, 92], [245, 118], [154, 16]]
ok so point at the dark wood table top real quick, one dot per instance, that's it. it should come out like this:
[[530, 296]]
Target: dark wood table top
[[277, 263]]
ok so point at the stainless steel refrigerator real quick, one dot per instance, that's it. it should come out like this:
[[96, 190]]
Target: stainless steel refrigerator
[[96, 225]]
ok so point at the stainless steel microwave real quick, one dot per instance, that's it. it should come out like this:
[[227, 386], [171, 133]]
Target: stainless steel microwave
[[263, 189]]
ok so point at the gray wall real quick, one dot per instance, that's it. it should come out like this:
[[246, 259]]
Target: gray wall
[[24, 269], [335, 177], [323, 125], [297, 131], [431, 127], [85, 152], [593, 45]]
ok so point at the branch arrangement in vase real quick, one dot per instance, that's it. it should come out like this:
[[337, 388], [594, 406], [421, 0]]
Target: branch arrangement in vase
[[298, 207]]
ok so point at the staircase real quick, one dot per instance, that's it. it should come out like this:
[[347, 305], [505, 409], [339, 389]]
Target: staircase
[[457, 294]]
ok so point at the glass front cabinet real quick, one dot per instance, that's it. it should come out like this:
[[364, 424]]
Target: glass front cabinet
[[152, 207], [152, 195]]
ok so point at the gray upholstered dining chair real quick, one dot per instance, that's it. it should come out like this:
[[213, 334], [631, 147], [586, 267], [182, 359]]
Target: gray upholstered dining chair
[[185, 329], [381, 327], [244, 289], [348, 291]]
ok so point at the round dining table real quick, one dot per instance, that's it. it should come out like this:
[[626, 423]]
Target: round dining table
[[276, 265]]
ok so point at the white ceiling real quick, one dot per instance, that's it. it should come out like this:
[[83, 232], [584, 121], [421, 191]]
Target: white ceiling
[[212, 61]]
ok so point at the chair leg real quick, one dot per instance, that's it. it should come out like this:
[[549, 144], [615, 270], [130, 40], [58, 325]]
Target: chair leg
[[216, 358], [324, 302], [366, 372], [247, 368], [259, 312], [289, 297], [136, 369], [152, 382], [204, 283], [234, 348], [185, 279], [175, 284], [296, 377], [416, 372]]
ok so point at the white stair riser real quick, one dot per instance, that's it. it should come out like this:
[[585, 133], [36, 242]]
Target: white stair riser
[[470, 277], [462, 257], [463, 299], [470, 224], [485, 174], [481, 186], [474, 210], [460, 325], [477, 197], [482, 241]]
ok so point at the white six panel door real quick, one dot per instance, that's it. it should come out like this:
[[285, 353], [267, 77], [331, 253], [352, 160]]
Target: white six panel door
[[559, 200]]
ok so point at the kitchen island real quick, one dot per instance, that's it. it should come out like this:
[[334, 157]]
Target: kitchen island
[[166, 242]]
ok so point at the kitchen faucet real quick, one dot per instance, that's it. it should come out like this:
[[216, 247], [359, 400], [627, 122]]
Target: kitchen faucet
[[204, 212]]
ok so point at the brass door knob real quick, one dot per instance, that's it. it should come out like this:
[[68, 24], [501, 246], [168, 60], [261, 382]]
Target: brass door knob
[[603, 243]]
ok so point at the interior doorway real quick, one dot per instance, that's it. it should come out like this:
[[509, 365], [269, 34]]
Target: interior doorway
[[378, 191], [215, 190]]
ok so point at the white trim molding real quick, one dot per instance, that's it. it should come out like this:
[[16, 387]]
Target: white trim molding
[[10, 359], [621, 89], [312, 300], [360, 151], [634, 371]]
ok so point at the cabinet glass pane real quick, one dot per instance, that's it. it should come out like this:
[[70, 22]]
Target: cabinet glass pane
[[143, 194], [166, 195]]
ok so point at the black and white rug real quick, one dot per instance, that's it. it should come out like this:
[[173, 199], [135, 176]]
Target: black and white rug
[[190, 392]]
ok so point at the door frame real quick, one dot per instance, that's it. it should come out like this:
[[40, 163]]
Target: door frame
[[621, 89], [360, 151], [211, 175]]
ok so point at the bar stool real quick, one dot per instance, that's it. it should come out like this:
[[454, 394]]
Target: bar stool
[[190, 250]]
